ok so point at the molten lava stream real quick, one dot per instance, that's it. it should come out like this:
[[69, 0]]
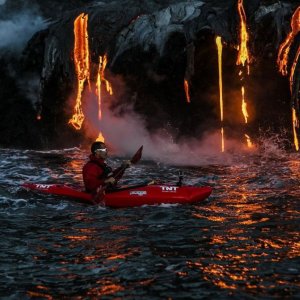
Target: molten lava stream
[[82, 65], [244, 60], [243, 54], [187, 91], [284, 49], [282, 61], [101, 78], [220, 48]]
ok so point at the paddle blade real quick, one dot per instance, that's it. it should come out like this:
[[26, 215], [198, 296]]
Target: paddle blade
[[137, 156]]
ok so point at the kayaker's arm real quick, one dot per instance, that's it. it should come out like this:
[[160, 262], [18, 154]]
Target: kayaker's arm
[[117, 174]]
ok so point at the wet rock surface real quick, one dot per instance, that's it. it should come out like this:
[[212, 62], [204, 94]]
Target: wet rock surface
[[153, 47]]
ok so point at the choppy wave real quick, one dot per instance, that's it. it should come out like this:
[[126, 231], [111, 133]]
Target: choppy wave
[[241, 243]]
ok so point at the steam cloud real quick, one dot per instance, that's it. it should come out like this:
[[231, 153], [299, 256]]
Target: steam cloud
[[127, 132], [18, 29]]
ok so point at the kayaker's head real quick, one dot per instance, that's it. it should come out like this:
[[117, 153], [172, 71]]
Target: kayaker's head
[[99, 149]]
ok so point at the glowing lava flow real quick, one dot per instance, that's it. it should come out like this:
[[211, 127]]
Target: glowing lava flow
[[249, 143], [282, 61], [295, 125], [100, 79], [220, 48], [244, 59], [187, 91], [294, 115], [244, 106], [82, 65], [243, 55], [100, 138], [284, 49]]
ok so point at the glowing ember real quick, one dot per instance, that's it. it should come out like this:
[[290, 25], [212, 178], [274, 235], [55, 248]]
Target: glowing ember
[[284, 49], [100, 138], [249, 143], [295, 125], [244, 106], [187, 91], [220, 48], [243, 55], [82, 62]]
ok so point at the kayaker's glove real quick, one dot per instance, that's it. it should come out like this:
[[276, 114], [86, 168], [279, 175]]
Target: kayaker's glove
[[126, 163], [110, 180]]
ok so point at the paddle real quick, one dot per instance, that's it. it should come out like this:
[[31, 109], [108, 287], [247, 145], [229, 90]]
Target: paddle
[[101, 190]]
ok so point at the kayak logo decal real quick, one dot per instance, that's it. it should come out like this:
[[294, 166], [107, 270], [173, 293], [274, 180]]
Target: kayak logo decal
[[169, 188], [138, 193], [43, 186]]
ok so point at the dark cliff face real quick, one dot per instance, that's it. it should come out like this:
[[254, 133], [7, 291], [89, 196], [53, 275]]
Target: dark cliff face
[[152, 47]]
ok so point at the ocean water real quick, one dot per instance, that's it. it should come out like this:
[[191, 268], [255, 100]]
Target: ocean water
[[241, 243]]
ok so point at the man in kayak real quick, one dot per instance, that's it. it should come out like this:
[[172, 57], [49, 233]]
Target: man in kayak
[[96, 173]]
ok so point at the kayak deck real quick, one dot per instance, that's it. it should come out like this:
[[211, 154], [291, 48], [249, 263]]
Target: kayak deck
[[129, 196]]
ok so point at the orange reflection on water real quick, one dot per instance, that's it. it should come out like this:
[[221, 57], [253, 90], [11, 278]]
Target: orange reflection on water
[[211, 218], [75, 165], [77, 238], [250, 222], [244, 239], [81, 234], [118, 227], [40, 295], [106, 287]]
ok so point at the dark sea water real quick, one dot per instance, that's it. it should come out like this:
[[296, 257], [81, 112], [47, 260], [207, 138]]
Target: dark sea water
[[241, 243]]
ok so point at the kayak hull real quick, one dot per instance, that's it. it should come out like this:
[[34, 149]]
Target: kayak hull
[[130, 196]]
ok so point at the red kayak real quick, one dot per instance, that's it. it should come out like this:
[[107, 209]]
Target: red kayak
[[129, 196]]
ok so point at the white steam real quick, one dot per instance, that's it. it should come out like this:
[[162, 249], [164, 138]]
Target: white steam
[[2, 2], [126, 133], [16, 31]]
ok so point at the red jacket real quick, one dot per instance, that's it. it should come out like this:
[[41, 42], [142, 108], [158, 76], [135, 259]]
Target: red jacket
[[96, 171]]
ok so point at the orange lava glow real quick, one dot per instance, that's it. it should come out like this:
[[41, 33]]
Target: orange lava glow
[[243, 54], [222, 140], [244, 106], [284, 49], [187, 91], [220, 49], [248, 139], [101, 79], [282, 61], [82, 65], [295, 125], [100, 138]]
